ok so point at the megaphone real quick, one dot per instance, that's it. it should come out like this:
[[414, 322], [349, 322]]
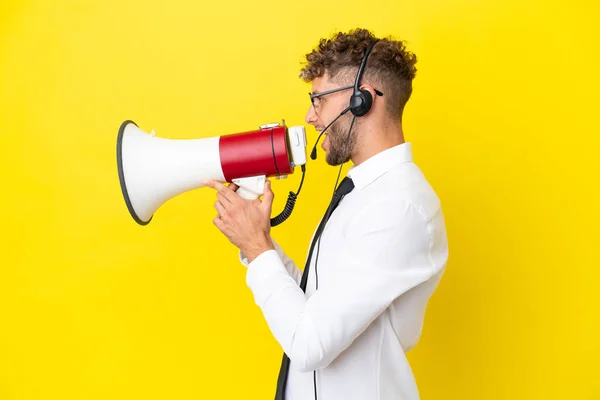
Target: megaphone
[[153, 169]]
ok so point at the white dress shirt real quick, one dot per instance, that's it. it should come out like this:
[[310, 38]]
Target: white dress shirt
[[381, 256]]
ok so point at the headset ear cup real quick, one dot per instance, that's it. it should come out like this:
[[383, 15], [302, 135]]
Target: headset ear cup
[[361, 103], [356, 102], [368, 101]]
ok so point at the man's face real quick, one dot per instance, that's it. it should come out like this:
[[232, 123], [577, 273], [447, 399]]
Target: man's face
[[337, 145]]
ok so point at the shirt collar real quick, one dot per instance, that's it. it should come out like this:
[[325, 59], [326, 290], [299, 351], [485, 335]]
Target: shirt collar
[[372, 168]]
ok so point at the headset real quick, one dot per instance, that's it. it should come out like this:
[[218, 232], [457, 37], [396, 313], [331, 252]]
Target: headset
[[362, 100]]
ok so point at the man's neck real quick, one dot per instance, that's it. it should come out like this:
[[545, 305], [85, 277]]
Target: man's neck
[[380, 140]]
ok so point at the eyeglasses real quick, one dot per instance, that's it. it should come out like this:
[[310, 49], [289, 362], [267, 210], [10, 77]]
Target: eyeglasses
[[317, 96]]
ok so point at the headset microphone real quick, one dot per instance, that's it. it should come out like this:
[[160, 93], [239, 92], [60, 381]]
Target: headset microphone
[[313, 154]]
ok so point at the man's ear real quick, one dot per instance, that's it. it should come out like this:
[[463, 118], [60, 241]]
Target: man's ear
[[370, 88]]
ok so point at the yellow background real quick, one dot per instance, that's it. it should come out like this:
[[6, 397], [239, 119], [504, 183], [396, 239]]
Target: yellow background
[[504, 122]]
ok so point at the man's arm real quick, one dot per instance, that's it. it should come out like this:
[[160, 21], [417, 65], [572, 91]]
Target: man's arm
[[381, 259]]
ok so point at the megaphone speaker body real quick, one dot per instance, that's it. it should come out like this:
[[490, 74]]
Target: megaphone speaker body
[[153, 169]]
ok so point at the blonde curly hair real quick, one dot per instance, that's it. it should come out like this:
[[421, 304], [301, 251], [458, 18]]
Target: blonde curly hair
[[389, 68]]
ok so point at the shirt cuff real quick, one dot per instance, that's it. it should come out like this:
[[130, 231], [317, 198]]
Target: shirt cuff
[[244, 259]]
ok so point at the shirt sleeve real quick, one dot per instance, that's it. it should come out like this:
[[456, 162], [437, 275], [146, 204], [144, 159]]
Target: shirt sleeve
[[287, 262], [386, 253]]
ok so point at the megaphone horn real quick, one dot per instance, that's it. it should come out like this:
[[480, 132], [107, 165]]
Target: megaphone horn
[[153, 169]]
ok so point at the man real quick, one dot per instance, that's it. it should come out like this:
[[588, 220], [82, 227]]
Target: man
[[383, 249]]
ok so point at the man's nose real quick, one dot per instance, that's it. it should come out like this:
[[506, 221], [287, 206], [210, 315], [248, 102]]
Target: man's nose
[[311, 116]]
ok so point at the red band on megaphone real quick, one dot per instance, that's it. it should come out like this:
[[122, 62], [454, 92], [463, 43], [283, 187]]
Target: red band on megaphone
[[255, 153]]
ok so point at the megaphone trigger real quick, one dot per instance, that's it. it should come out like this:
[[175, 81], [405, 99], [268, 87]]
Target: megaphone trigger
[[250, 188]]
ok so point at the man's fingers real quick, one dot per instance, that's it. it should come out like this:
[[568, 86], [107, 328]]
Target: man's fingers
[[225, 192], [220, 209], [233, 186], [218, 223], [218, 186]]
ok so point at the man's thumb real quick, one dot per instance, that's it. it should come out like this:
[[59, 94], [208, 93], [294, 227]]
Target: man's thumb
[[268, 195]]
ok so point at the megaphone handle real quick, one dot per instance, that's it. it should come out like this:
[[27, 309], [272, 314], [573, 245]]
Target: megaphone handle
[[246, 194], [252, 187]]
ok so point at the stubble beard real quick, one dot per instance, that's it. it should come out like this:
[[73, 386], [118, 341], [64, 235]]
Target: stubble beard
[[340, 145]]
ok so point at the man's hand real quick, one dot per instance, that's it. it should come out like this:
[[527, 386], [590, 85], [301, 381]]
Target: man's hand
[[247, 224]]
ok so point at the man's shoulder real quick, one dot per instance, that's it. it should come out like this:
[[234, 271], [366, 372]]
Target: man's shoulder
[[403, 186]]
